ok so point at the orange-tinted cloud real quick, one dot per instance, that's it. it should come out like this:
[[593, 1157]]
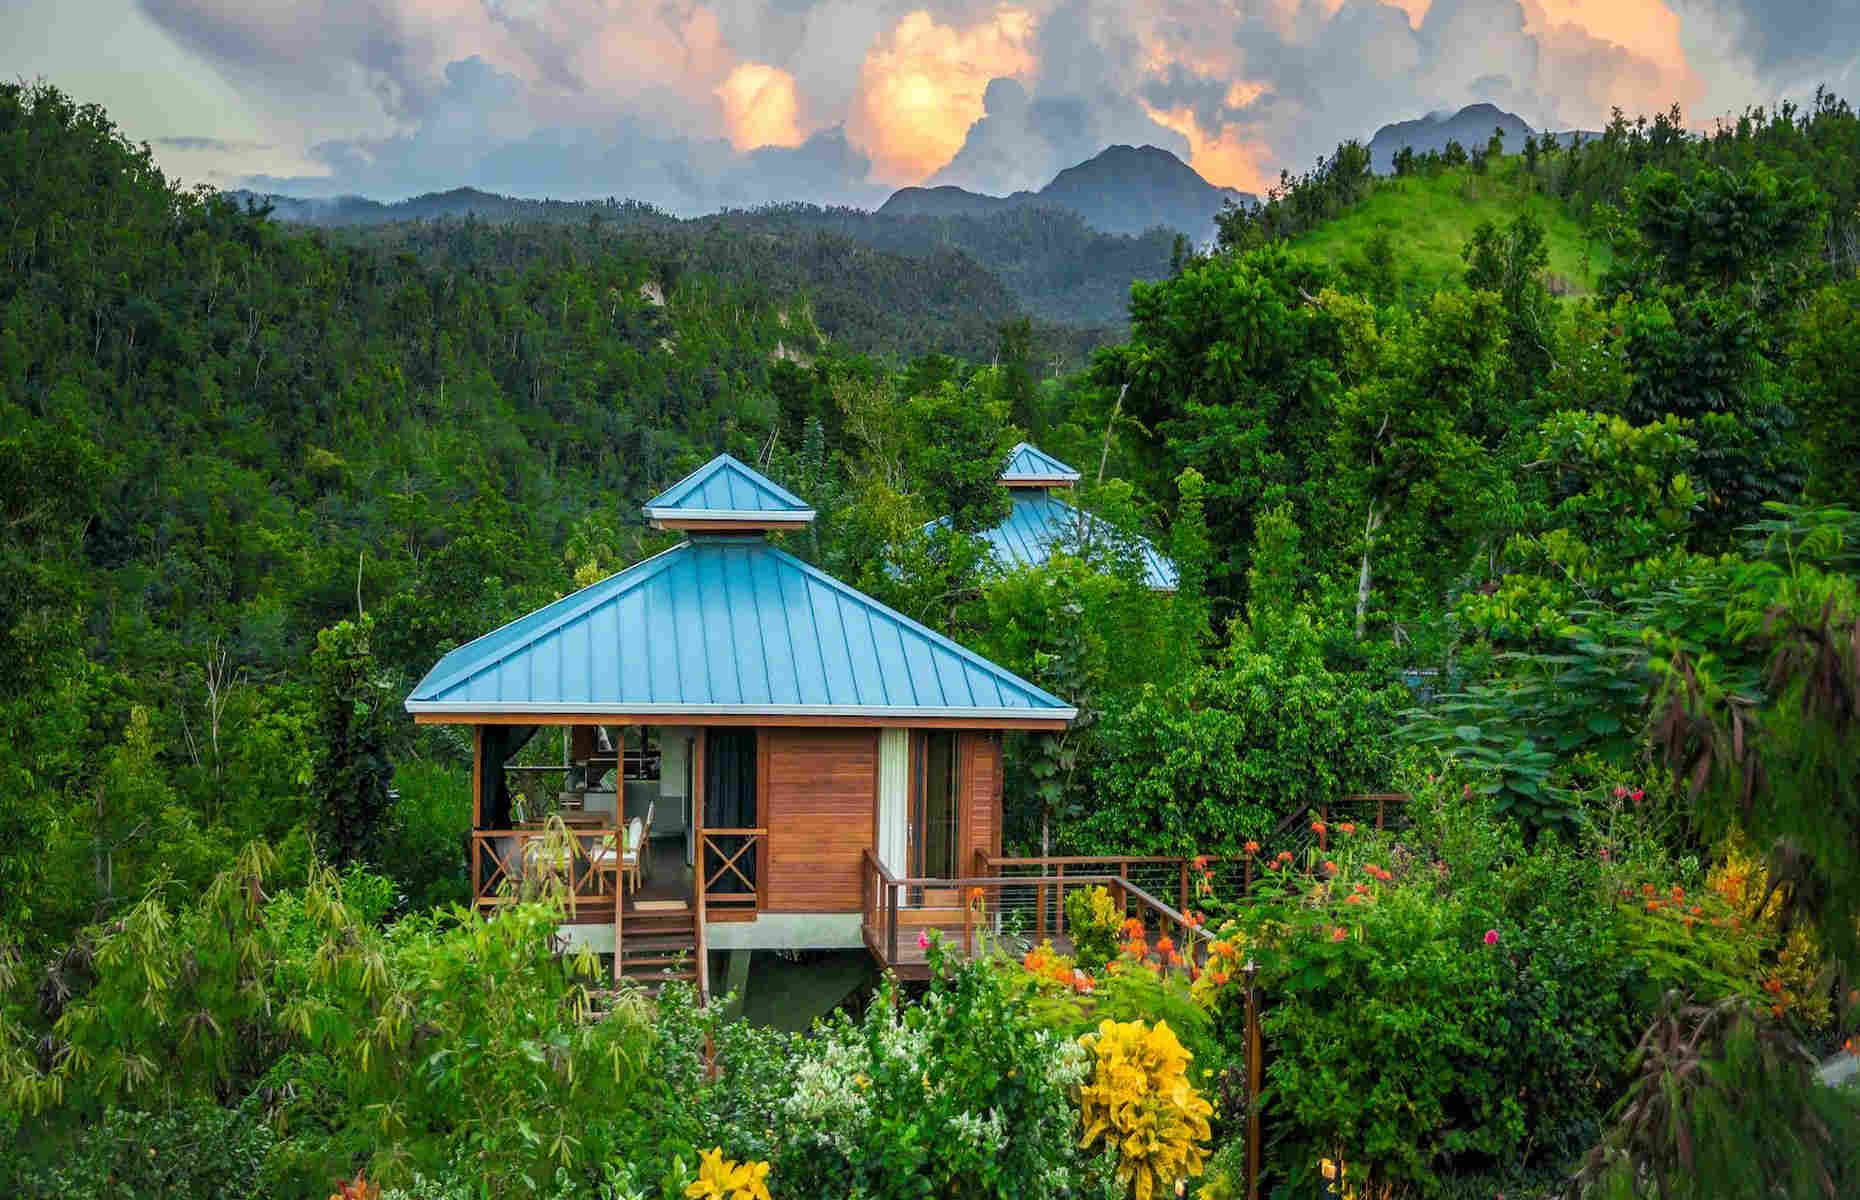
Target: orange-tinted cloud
[[920, 88], [1226, 156], [1651, 75], [760, 107]]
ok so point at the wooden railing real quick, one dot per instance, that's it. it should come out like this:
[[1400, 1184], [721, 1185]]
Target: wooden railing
[[985, 900], [507, 862], [726, 858]]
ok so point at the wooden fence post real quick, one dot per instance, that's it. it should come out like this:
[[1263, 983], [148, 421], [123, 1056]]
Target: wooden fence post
[[1254, 1058], [1323, 826]]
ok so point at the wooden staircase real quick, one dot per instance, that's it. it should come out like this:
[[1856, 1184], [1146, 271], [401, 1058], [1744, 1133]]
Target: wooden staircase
[[657, 946]]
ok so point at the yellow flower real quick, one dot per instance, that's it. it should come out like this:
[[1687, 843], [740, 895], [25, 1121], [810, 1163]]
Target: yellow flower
[[725, 1179]]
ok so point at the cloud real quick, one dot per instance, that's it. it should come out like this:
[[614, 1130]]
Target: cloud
[[694, 98], [923, 86], [760, 107]]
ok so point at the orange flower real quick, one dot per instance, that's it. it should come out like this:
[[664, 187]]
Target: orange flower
[[1646, 889], [1347, 827], [1317, 827], [1776, 1010], [1252, 847], [1133, 928], [1285, 856], [1679, 893], [1175, 960], [1353, 898], [1338, 934], [1219, 977], [1330, 868], [1653, 906], [1165, 946], [1695, 910], [1223, 948], [1201, 863], [1773, 986]]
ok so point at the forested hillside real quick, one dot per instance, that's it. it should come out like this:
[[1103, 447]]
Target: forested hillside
[[1576, 574], [1050, 262]]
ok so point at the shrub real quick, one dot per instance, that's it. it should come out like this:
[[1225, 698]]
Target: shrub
[[1443, 1005], [961, 1094], [197, 1149], [1093, 918], [1139, 1099]]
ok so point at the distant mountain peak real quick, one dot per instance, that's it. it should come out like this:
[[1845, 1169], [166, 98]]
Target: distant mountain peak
[[1471, 127], [1121, 189]]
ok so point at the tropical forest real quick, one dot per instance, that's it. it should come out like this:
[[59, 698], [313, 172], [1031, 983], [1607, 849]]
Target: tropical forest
[[1501, 729]]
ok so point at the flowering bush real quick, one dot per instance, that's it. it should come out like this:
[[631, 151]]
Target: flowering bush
[[960, 1093], [1445, 1002], [1092, 920], [1139, 1100]]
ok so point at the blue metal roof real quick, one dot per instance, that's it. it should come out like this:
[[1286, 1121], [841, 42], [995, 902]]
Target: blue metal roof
[[725, 489], [1031, 464], [1039, 525], [725, 626]]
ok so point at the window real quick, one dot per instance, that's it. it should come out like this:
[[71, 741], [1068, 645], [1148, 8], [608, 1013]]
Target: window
[[936, 814]]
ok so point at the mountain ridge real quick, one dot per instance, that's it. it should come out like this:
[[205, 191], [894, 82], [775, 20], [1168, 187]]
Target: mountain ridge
[[1121, 189]]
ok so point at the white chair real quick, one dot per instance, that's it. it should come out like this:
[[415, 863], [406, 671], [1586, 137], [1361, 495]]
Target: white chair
[[631, 853]]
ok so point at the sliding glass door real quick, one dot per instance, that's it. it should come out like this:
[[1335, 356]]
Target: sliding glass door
[[936, 811]]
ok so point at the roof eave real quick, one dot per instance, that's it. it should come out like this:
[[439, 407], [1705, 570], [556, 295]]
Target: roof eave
[[795, 516], [466, 711]]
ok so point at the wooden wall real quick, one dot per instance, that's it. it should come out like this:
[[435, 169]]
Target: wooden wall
[[980, 757], [820, 805]]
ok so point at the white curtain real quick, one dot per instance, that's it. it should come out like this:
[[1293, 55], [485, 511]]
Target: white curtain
[[894, 789]]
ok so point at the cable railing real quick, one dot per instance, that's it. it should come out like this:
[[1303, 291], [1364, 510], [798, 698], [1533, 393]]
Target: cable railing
[[983, 911]]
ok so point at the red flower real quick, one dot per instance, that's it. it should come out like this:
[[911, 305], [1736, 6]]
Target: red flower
[[1620, 792], [1285, 856], [1165, 946], [1353, 898], [1466, 792], [1252, 847], [1201, 863], [1491, 937], [1636, 795]]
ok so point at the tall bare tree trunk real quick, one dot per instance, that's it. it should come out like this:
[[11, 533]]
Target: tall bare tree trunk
[[1105, 454], [1362, 579]]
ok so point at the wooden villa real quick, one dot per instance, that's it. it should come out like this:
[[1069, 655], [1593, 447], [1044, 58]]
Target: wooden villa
[[754, 754], [1040, 524]]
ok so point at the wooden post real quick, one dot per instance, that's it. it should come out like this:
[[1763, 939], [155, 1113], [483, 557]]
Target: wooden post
[[1381, 805], [1039, 922], [891, 924], [968, 922], [477, 776], [1254, 1059], [1182, 898], [1059, 917], [1324, 826], [1246, 876]]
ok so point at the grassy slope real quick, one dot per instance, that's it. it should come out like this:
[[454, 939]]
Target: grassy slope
[[1430, 221]]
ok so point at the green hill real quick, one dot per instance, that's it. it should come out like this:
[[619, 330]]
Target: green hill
[[1429, 219]]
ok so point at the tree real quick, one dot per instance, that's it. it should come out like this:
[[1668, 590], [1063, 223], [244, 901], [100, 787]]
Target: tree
[[351, 768], [1711, 263]]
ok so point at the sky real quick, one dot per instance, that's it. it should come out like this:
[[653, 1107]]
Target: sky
[[698, 104]]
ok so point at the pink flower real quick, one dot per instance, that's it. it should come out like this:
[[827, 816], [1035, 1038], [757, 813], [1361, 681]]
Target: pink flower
[[1620, 793], [1466, 792], [1604, 854], [1491, 937], [923, 941]]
